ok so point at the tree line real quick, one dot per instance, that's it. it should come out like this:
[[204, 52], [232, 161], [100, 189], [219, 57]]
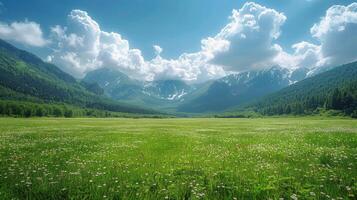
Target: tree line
[[343, 99], [29, 109]]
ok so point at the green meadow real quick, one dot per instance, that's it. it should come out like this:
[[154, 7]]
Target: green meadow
[[268, 158]]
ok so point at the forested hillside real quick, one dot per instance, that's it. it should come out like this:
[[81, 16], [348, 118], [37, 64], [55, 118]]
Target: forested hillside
[[332, 90], [25, 77]]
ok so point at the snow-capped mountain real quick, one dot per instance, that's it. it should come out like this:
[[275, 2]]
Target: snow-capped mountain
[[237, 89], [217, 95], [119, 86], [167, 89]]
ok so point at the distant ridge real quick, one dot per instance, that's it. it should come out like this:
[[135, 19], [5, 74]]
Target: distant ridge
[[157, 94], [335, 89], [238, 89]]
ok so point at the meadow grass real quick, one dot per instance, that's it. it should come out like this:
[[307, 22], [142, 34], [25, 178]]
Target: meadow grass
[[272, 158]]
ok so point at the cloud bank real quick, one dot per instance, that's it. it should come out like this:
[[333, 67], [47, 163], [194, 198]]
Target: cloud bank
[[247, 42], [337, 36], [337, 32], [26, 32], [248, 39], [82, 46]]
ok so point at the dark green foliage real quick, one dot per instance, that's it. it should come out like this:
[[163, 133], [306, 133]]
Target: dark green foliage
[[29, 109], [333, 90], [20, 55], [93, 87]]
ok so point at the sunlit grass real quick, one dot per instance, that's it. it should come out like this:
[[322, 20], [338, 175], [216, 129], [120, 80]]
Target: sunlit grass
[[295, 158]]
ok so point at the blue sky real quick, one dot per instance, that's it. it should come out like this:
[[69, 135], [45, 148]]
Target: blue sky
[[177, 26]]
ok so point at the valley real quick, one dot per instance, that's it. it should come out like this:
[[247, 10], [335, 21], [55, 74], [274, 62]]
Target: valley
[[211, 96], [32, 87], [178, 100], [270, 158]]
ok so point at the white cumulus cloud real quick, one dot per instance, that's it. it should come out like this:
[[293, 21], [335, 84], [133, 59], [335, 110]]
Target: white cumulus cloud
[[337, 36], [308, 55], [82, 46], [337, 33], [247, 41], [157, 49], [26, 32]]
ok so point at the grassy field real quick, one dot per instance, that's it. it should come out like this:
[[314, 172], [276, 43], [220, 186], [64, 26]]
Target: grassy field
[[289, 158]]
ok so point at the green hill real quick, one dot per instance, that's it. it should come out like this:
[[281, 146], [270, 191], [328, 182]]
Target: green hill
[[25, 77], [332, 90]]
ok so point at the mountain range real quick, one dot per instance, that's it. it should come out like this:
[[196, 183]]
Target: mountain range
[[212, 96], [26, 78], [156, 94]]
